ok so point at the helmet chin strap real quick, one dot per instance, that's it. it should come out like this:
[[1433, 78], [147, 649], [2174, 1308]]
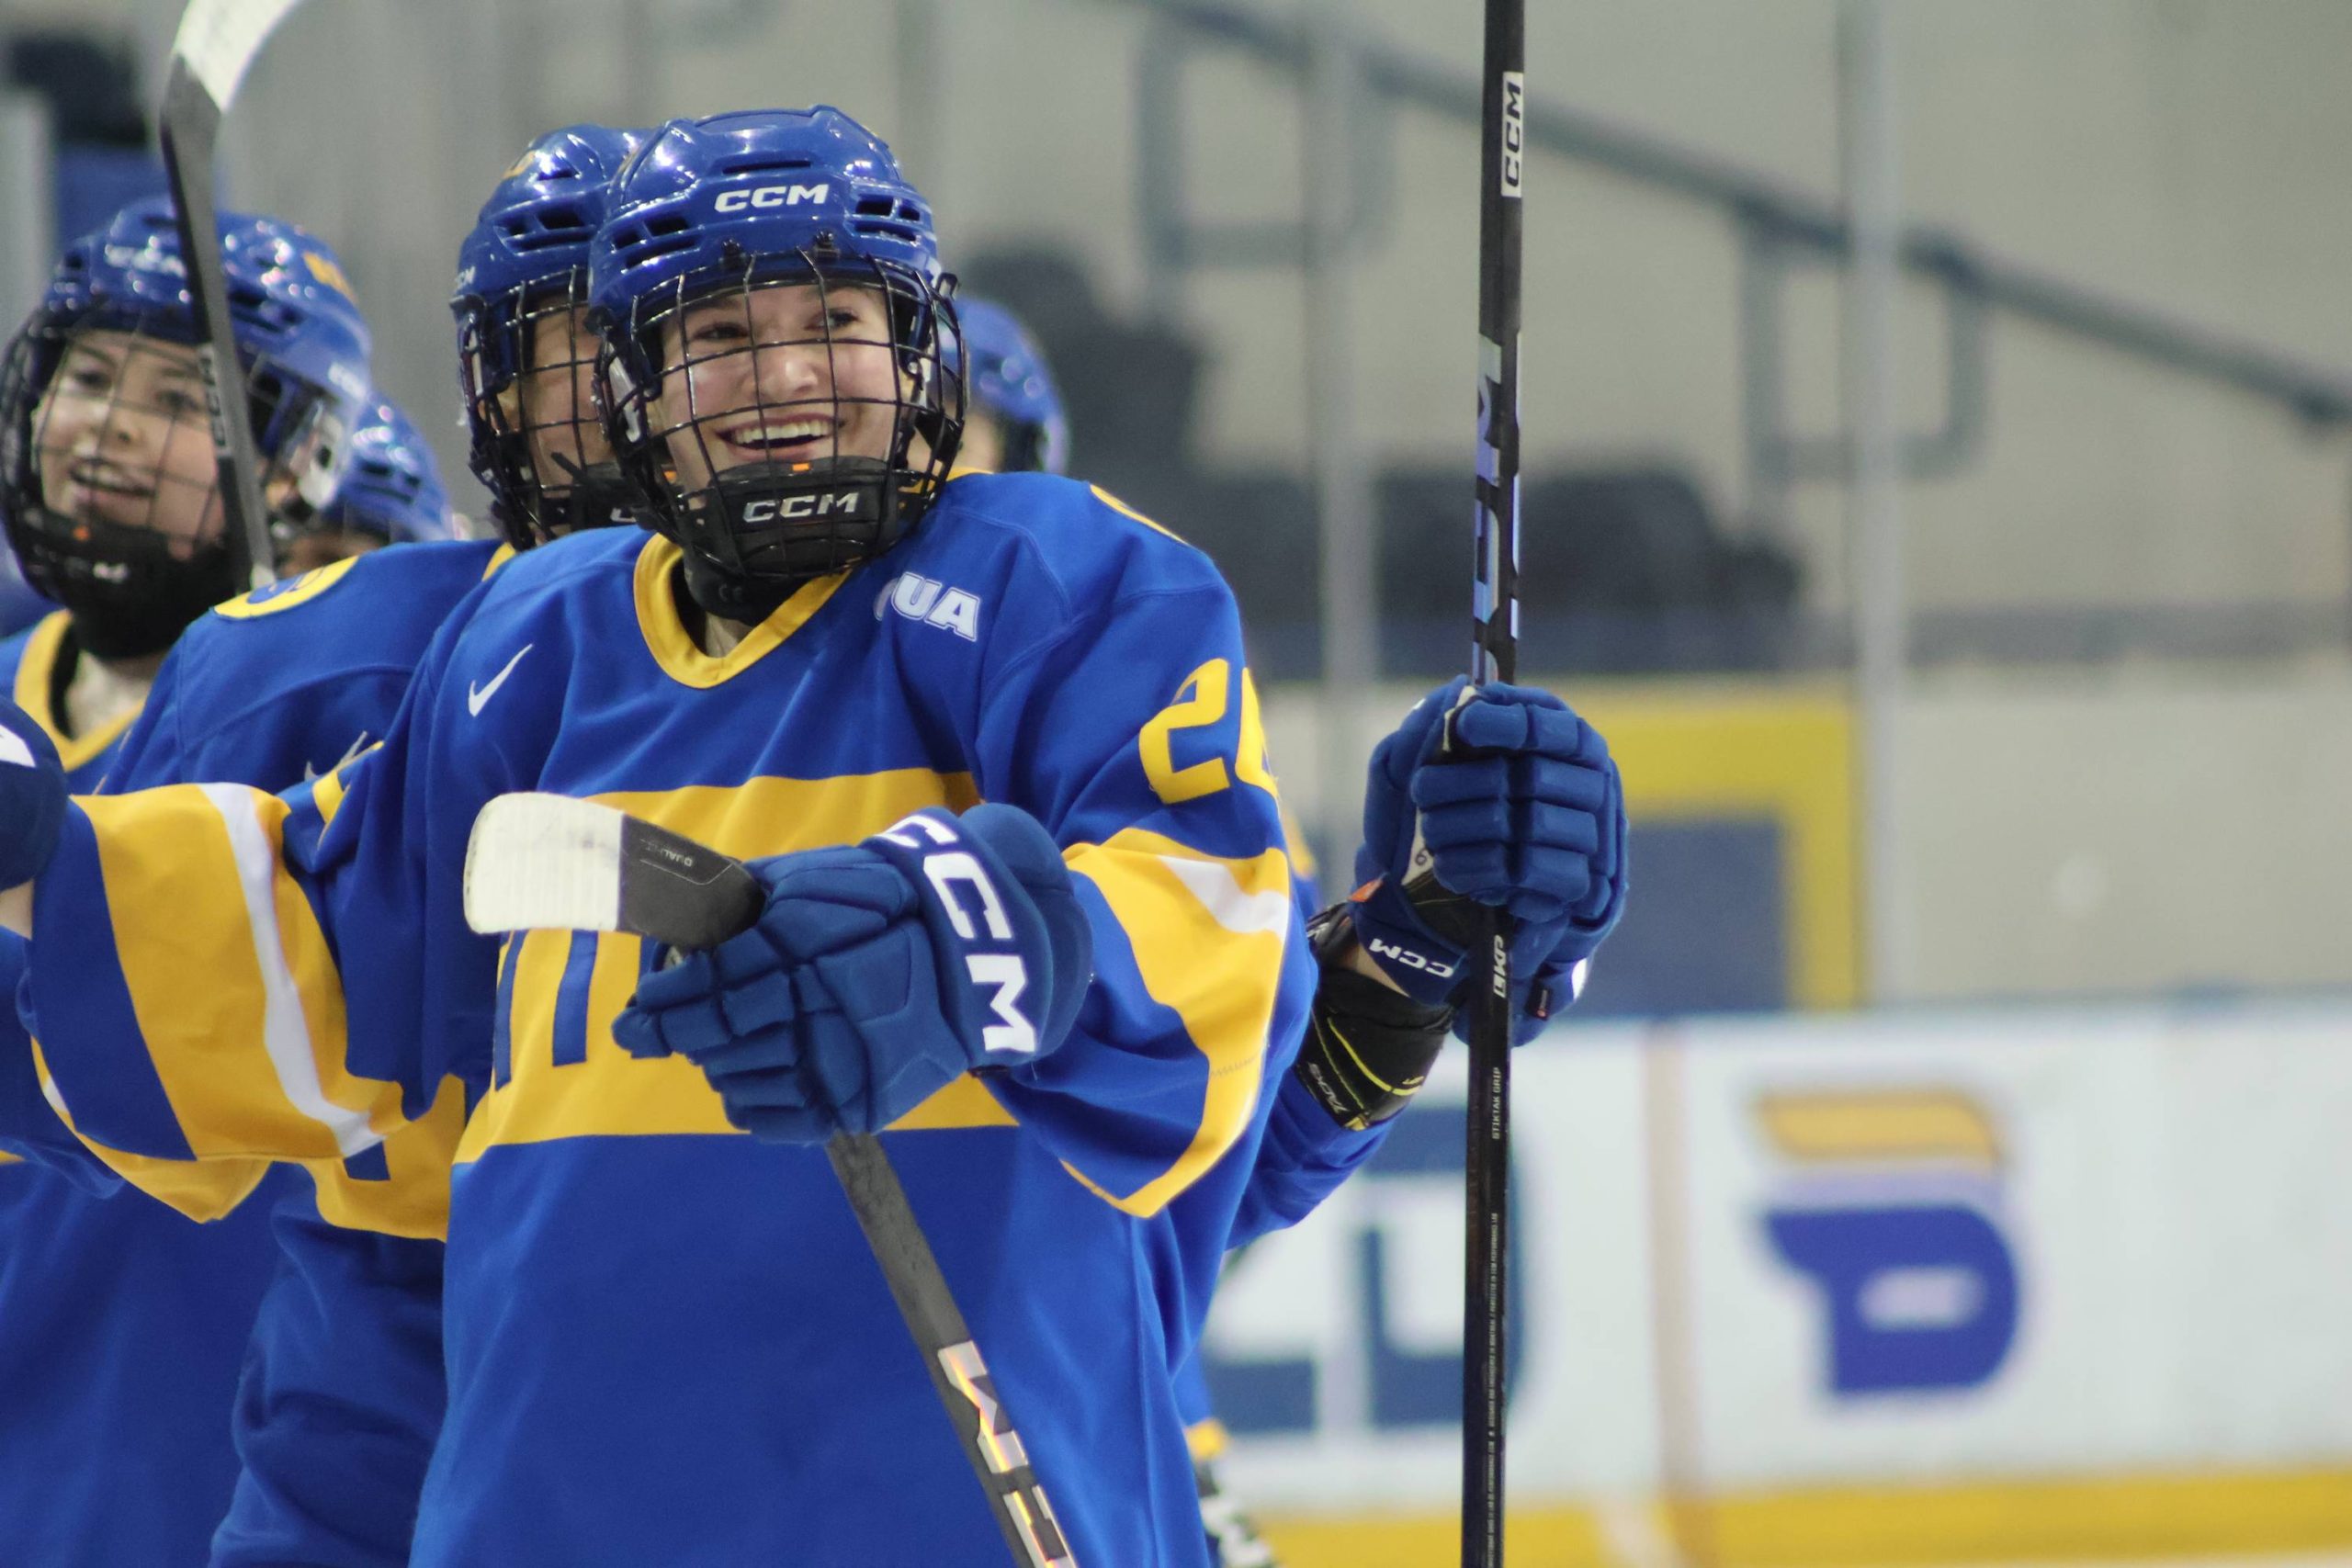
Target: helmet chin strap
[[130, 597]]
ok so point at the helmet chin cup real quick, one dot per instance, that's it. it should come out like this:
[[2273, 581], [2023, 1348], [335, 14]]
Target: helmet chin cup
[[598, 496], [128, 596], [780, 525], [754, 536]]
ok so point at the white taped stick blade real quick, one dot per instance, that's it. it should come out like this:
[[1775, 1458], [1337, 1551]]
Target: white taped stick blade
[[217, 39], [544, 862]]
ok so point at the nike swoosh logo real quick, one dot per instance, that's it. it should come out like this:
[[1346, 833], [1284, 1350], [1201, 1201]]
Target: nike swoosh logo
[[477, 697], [309, 773]]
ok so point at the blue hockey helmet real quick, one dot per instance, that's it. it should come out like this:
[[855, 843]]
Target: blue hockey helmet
[[708, 215], [1009, 381], [107, 556], [391, 488], [525, 363]]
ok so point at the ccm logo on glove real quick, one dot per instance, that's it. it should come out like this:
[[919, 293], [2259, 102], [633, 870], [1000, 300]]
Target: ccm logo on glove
[[951, 870], [876, 973]]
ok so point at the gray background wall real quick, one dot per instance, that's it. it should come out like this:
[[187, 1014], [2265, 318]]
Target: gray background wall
[[2084, 829]]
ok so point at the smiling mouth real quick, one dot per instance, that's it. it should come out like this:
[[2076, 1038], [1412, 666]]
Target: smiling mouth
[[103, 492], [791, 439]]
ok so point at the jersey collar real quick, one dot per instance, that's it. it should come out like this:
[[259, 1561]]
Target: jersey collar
[[35, 682], [675, 648]]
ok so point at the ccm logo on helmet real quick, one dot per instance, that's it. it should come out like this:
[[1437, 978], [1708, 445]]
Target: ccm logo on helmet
[[769, 196]]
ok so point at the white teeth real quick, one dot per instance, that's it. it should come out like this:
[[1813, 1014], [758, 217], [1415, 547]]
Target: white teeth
[[768, 434]]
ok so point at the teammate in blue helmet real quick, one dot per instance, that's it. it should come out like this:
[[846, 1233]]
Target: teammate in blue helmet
[[1015, 422], [106, 476], [524, 356], [782, 361], [106, 471], [340, 1405], [392, 493]]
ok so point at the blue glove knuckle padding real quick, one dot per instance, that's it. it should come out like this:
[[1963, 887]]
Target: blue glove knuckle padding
[[849, 1002], [1523, 811]]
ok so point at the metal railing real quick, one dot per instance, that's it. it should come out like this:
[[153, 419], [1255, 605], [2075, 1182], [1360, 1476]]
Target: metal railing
[[1779, 227]]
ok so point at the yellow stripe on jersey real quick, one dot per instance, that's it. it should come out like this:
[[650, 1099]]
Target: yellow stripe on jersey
[[36, 672], [1207, 936], [677, 652], [498, 557], [202, 1190], [607, 1093], [412, 1199], [327, 793], [277, 596], [234, 987], [1124, 509]]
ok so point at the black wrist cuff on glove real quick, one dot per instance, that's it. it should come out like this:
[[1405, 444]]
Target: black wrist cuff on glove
[[1368, 1048]]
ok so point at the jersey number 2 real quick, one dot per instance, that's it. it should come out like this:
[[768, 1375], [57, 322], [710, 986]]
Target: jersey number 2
[[1202, 702]]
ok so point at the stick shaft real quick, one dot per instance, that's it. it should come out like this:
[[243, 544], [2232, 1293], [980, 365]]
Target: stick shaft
[[191, 125], [686, 894], [1494, 657], [1016, 1497]]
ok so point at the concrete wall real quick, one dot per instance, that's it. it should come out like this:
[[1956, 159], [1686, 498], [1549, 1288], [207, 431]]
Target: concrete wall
[[2134, 833]]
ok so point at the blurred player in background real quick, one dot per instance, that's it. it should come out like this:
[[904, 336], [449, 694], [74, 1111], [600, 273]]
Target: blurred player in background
[[111, 1455], [392, 493], [1015, 423], [341, 1396], [107, 475]]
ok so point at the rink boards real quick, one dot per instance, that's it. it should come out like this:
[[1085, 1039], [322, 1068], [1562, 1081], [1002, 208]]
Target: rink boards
[[1917, 1287]]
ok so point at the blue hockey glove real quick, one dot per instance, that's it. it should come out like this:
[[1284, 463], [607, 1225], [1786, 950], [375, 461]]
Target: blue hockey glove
[[1519, 809], [877, 973], [33, 796]]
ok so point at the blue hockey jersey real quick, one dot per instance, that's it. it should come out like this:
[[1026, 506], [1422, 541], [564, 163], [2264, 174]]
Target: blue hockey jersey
[[111, 1454], [671, 1331], [340, 1396], [156, 1313]]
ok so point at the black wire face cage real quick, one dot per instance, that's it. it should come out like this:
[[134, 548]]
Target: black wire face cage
[[109, 483], [789, 421], [528, 367]]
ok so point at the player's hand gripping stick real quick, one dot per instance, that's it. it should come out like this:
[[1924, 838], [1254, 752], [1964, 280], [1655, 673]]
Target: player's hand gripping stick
[[1495, 798], [546, 862]]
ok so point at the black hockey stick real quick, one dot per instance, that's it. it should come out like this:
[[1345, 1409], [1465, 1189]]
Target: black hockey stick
[[549, 862], [217, 41], [1494, 657]]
